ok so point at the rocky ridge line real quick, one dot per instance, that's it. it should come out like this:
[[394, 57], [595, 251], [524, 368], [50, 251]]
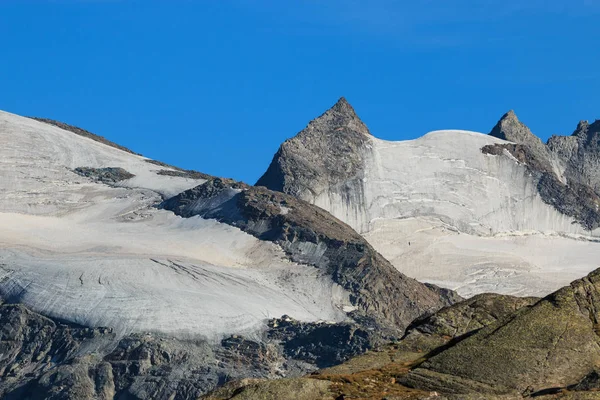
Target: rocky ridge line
[[312, 236]]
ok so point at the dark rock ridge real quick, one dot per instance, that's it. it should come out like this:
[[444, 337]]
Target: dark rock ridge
[[327, 156], [184, 174], [458, 321], [573, 199], [322, 344], [312, 236], [176, 171], [82, 132], [108, 175], [576, 158]]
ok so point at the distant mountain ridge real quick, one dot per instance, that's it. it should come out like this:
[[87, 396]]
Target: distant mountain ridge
[[428, 191]]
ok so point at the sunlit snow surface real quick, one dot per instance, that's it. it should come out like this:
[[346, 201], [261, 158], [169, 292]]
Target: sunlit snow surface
[[104, 256], [475, 222]]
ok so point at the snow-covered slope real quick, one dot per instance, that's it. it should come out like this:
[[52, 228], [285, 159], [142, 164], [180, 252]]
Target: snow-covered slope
[[437, 207], [100, 255]]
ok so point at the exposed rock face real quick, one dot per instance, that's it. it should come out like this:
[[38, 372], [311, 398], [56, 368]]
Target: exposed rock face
[[321, 344], [324, 163], [581, 154], [312, 236], [572, 198], [184, 173], [554, 343], [374, 375], [299, 167], [575, 191], [41, 358], [109, 175], [510, 128]]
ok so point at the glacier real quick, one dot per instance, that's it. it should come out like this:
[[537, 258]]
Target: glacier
[[103, 255]]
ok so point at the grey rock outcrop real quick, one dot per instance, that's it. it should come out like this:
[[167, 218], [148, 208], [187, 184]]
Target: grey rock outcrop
[[510, 128], [581, 154], [327, 156], [108, 175], [42, 358]]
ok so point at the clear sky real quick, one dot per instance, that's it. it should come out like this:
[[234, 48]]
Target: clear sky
[[217, 85]]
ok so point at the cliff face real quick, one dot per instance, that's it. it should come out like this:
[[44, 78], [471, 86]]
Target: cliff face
[[581, 154]]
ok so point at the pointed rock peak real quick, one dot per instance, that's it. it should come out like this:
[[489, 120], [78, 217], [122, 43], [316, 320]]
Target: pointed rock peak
[[510, 115], [339, 119], [510, 128], [342, 105]]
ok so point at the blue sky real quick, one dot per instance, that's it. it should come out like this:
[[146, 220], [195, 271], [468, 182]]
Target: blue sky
[[217, 85]]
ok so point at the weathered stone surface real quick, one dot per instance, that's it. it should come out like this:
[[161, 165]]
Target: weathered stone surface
[[581, 154], [328, 155], [184, 174], [299, 388], [42, 358], [109, 175], [510, 128], [321, 344], [312, 236]]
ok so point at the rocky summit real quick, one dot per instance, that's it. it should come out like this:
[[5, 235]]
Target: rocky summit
[[459, 265]]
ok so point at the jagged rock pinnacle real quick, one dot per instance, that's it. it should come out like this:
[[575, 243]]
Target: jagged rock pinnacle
[[510, 128], [326, 153], [342, 105], [333, 121]]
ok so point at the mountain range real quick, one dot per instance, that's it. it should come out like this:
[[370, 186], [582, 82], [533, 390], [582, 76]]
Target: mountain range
[[436, 267]]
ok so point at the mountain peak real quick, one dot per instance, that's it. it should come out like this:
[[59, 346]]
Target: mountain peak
[[327, 152], [508, 120], [510, 128], [340, 119], [342, 105]]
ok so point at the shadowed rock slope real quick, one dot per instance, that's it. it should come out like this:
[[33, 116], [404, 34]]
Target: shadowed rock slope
[[312, 236]]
